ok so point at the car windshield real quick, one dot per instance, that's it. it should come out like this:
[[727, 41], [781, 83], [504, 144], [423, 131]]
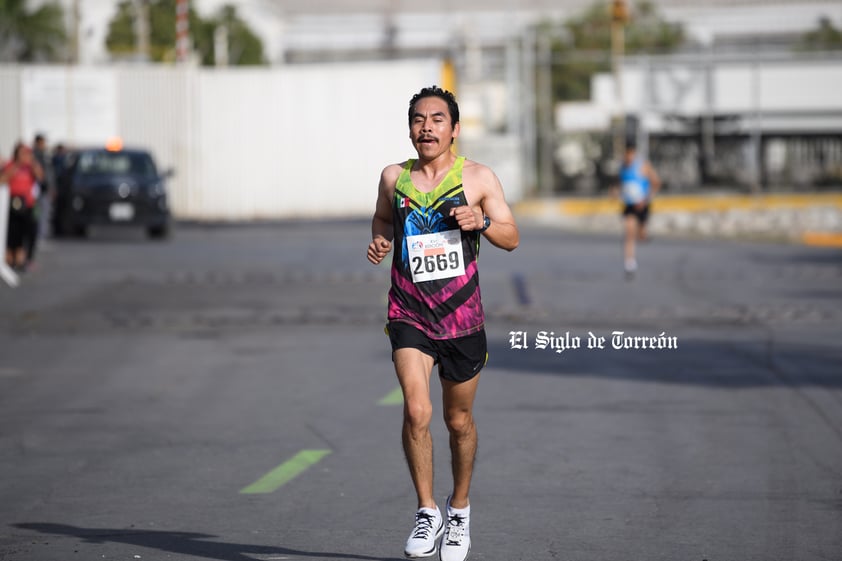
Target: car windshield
[[117, 163]]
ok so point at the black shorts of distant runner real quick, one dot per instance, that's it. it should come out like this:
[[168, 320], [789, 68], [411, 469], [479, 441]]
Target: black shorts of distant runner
[[642, 214]]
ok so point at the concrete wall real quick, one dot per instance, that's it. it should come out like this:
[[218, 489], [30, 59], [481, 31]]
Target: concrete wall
[[799, 93]]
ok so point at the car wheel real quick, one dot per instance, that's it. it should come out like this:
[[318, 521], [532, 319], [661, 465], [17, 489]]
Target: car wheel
[[158, 232], [58, 229], [62, 223]]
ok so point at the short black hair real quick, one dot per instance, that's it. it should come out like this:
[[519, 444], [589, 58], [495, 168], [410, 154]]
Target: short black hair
[[435, 91]]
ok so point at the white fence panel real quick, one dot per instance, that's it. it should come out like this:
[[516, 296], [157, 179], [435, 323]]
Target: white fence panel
[[68, 102], [155, 112], [303, 141]]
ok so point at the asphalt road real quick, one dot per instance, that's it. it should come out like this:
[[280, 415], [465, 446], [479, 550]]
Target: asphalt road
[[228, 395]]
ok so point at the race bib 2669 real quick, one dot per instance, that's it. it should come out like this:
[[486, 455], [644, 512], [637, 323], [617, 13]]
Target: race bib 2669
[[435, 256]]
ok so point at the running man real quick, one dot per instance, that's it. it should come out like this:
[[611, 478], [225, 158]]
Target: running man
[[433, 210], [638, 185]]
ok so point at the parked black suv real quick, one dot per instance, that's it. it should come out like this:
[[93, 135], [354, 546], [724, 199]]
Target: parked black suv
[[111, 186]]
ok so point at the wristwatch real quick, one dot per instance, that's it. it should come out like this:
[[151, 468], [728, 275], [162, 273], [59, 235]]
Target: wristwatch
[[486, 222]]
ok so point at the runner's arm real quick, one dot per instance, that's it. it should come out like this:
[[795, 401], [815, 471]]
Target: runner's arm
[[654, 179], [502, 232], [382, 229]]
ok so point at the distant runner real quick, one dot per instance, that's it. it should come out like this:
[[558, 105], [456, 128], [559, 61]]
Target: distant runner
[[638, 185]]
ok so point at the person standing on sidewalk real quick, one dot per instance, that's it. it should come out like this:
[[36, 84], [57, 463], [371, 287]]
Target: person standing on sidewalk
[[433, 209], [638, 185], [22, 174], [43, 198]]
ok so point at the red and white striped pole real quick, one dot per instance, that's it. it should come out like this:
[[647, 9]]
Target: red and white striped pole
[[182, 30]]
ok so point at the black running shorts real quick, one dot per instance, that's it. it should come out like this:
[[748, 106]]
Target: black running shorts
[[641, 214], [459, 359]]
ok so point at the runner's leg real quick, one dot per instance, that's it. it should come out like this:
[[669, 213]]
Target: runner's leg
[[458, 401], [630, 225], [413, 369]]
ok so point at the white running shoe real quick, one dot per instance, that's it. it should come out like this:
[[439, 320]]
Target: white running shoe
[[630, 267], [428, 527], [456, 543]]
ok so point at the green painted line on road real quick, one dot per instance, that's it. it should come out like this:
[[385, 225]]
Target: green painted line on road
[[395, 397], [285, 472]]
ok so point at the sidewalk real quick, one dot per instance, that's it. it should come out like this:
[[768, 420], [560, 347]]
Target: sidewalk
[[808, 218]]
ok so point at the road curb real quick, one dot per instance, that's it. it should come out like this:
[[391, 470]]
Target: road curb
[[809, 218]]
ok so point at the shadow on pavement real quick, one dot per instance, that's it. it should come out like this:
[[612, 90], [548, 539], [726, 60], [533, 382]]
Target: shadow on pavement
[[711, 363], [806, 256], [183, 543]]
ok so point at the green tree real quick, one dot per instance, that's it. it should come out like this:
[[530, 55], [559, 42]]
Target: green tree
[[121, 40], [32, 35], [825, 37], [582, 44], [244, 47]]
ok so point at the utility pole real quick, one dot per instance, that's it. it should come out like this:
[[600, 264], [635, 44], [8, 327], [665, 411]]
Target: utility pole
[[530, 144], [390, 31], [279, 15], [75, 32], [756, 130], [619, 19], [220, 45], [544, 101], [142, 29]]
